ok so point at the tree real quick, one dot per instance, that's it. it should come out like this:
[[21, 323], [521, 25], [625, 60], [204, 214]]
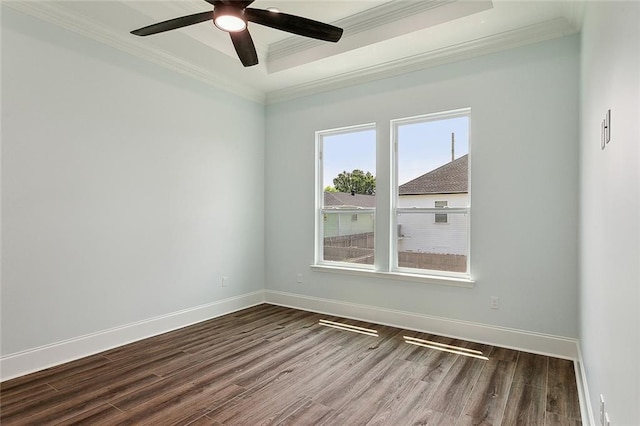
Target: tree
[[330, 188], [355, 182]]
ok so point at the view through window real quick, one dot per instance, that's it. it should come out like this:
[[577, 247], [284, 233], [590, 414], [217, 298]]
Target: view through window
[[428, 189], [432, 192], [348, 169]]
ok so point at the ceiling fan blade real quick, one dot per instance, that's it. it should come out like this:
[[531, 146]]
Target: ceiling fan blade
[[244, 47], [238, 3], [294, 24], [173, 24]]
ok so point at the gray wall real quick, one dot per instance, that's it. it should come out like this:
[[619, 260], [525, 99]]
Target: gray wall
[[610, 209], [126, 194], [524, 167]]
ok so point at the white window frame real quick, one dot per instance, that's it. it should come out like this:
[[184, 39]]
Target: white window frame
[[395, 210], [321, 210], [386, 239]]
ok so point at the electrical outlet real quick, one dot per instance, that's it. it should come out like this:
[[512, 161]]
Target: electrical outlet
[[225, 281], [495, 302], [299, 279], [602, 409]]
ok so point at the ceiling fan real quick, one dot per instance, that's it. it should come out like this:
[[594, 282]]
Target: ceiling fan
[[233, 16]]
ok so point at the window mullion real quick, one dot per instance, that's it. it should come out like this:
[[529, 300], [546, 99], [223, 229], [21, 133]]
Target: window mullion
[[437, 210], [383, 198], [351, 211]]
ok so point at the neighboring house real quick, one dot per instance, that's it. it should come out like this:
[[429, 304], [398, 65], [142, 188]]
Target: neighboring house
[[442, 233], [446, 186], [342, 224]]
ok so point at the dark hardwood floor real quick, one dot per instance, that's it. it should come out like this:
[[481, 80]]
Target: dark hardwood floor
[[275, 365]]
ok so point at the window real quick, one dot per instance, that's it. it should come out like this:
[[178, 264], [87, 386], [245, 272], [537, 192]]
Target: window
[[346, 196], [423, 214], [432, 174], [440, 217]]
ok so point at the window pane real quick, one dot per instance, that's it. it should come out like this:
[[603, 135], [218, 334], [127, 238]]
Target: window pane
[[348, 240], [348, 160], [423, 243], [427, 146], [433, 173]]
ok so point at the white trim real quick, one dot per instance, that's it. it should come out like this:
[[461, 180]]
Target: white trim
[[432, 116], [31, 360], [535, 33], [368, 20], [574, 12], [394, 275], [464, 278], [389, 20], [586, 410], [545, 344], [319, 187]]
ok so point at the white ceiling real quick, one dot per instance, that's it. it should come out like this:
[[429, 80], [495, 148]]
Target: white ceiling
[[381, 38]]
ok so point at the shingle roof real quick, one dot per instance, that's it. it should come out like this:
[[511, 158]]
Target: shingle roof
[[344, 199], [450, 178]]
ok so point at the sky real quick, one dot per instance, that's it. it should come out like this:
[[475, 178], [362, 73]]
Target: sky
[[422, 147]]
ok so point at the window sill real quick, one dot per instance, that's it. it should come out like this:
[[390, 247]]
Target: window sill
[[400, 276]]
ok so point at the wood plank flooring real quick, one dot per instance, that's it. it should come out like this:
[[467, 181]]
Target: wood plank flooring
[[275, 365]]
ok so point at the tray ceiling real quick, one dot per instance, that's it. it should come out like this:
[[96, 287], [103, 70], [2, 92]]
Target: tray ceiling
[[381, 38]]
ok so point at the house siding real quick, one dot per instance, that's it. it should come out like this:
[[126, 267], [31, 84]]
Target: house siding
[[340, 224], [416, 229]]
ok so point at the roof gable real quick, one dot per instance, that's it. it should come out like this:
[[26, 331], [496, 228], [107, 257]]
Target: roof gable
[[450, 178]]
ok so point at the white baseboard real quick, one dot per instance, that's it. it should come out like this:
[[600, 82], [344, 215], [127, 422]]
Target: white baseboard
[[29, 361], [586, 409], [556, 346], [21, 363]]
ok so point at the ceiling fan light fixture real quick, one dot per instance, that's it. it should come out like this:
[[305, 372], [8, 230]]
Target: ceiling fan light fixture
[[233, 17], [229, 18]]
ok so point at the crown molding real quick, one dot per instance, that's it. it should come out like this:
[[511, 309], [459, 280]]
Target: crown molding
[[55, 13], [547, 30], [369, 19], [575, 13], [389, 20]]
